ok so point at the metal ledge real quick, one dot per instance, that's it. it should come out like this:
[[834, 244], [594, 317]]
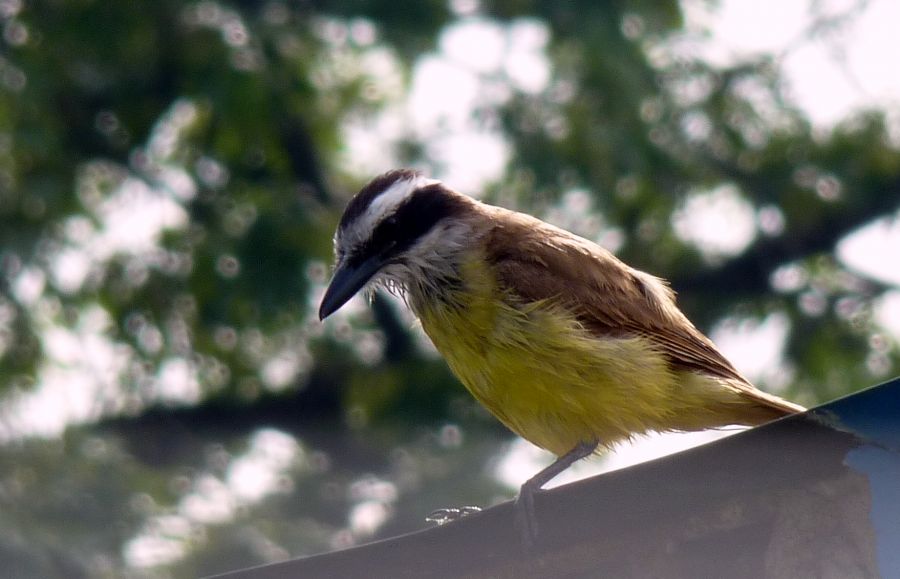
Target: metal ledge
[[812, 495]]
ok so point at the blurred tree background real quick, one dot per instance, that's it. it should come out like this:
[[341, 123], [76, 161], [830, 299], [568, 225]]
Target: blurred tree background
[[170, 176]]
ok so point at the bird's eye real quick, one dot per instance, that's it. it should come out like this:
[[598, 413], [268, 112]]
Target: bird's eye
[[391, 221]]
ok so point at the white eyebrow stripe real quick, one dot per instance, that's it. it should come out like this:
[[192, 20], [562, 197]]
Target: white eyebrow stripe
[[382, 206], [388, 201]]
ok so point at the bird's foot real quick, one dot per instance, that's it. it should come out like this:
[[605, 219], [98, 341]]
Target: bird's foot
[[444, 516], [525, 517]]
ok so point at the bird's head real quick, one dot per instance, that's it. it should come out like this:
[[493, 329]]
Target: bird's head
[[403, 231]]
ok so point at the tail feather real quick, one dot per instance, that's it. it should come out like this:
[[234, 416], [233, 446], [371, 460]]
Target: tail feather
[[767, 407]]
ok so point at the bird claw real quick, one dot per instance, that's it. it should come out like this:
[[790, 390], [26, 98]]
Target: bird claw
[[525, 517], [444, 516]]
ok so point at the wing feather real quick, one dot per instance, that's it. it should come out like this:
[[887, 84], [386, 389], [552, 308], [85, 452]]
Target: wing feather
[[535, 261]]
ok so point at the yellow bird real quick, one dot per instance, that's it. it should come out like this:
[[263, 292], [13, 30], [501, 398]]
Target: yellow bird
[[565, 344]]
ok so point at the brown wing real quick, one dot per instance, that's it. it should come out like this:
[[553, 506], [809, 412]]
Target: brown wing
[[536, 261]]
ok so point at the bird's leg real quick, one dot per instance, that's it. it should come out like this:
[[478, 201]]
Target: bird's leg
[[525, 516]]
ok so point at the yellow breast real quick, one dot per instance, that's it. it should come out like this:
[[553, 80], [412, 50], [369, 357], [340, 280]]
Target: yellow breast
[[551, 381]]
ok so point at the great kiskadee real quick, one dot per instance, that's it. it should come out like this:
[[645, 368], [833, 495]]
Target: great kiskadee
[[566, 345]]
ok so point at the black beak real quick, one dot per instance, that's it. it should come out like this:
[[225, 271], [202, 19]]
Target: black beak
[[347, 280]]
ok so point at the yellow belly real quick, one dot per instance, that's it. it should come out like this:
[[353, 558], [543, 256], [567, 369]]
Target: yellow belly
[[550, 381]]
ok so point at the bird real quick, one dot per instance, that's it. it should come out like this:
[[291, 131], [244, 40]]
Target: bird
[[565, 344]]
